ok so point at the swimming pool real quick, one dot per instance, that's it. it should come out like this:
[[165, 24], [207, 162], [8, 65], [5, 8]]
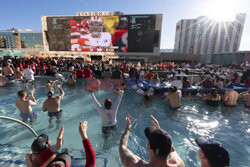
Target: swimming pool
[[230, 126]]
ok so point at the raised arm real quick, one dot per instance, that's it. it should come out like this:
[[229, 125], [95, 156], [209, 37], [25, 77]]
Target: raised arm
[[89, 151], [33, 100], [59, 141], [98, 105], [128, 159], [118, 100], [61, 92]]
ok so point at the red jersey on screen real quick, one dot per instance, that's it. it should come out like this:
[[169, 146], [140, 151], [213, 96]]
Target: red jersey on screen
[[96, 44], [117, 35]]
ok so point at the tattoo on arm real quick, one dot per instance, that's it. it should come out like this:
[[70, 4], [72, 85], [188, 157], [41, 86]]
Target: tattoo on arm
[[124, 139], [127, 157]]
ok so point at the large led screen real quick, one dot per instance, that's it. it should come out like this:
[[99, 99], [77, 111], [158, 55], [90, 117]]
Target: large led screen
[[124, 33]]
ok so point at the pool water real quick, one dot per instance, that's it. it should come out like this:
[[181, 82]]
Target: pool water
[[230, 126]]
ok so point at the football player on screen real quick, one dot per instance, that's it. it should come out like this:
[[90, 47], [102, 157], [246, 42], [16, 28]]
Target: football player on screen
[[97, 40], [74, 35]]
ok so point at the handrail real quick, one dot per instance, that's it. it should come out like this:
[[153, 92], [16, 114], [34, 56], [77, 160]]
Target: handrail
[[20, 122]]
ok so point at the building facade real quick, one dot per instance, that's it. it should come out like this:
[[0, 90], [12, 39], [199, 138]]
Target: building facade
[[8, 39], [206, 36], [31, 39], [21, 39]]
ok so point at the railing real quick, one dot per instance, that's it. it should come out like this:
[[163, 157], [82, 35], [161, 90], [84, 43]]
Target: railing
[[23, 49]]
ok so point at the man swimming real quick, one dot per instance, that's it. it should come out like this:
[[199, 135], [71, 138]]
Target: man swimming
[[108, 112], [24, 105], [174, 98], [52, 105], [230, 98]]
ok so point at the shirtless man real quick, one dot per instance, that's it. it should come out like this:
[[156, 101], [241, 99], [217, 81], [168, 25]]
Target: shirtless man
[[230, 98], [52, 105], [174, 98], [24, 105], [18, 74], [159, 146], [71, 81], [246, 97], [3, 80], [7, 70]]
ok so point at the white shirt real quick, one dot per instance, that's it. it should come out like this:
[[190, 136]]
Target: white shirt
[[219, 84], [103, 41], [108, 116], [28, 74], [177, 83]]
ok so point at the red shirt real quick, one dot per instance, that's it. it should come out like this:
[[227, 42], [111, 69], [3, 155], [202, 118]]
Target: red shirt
[[33, 67], [42, 68], [48, 68], [123, 68], [149, 76], [87, 73], [20, 65], [247, 82], [234, 79], [186, 84], [79, 73]]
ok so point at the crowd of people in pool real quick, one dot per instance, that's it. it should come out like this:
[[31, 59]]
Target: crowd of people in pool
[[212, 153]]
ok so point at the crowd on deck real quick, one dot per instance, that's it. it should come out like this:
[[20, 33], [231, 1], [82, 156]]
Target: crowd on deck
[[210, 76], [179, 76]]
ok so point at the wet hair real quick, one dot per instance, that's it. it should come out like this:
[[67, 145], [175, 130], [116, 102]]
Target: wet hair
[[21, 93], [172, 89], [213, 92], [50, 94]]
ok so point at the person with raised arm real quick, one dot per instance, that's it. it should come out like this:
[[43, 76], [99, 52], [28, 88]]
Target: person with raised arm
[[159, 146], [24, 105], [109, 111]]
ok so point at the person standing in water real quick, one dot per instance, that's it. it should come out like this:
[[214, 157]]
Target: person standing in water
[[52, 105], [109, 111], [24, 105]]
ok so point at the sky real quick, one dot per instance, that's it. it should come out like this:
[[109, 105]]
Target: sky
[[26, 14]]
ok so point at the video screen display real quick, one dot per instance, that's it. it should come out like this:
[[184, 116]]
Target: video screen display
[[124, 33]]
